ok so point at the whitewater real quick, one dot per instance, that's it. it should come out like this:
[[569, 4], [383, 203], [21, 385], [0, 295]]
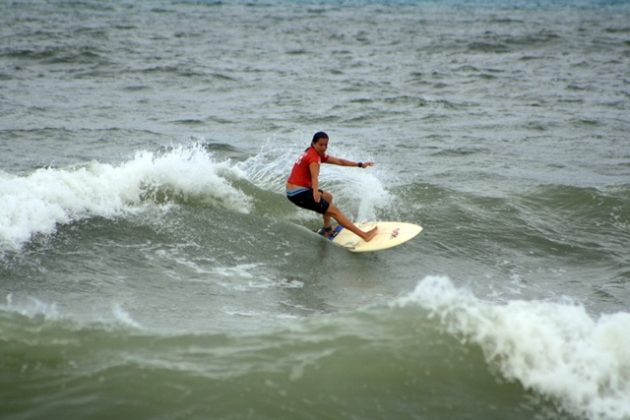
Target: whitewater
[[152, 267]]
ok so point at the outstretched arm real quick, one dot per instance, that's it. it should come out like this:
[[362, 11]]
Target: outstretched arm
[[345, 162]]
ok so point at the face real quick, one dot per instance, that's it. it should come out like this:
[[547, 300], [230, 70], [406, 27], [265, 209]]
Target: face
[[321, 146]]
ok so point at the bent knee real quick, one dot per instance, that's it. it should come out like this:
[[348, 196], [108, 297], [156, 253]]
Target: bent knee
[[328, 196], [332, 210]]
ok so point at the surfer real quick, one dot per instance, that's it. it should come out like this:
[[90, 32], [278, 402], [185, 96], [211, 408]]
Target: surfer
[[303, 186]]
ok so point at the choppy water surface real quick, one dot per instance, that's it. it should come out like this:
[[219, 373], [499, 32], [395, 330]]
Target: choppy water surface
[[150, 265]]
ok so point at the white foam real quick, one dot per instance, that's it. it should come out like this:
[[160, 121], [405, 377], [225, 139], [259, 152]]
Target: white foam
[[364, 188], [37, 203], [555, 349], [123, 317], [31, 307], [246, 271], [269, 168], [245, 277]]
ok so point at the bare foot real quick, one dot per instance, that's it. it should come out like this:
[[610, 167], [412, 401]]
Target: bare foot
[[370, 234]]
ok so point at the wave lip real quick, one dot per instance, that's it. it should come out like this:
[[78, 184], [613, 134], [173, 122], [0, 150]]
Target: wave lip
[[554, 349], [37, 203]]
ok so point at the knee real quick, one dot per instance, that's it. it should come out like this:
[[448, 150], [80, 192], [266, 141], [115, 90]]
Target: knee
[[332, 211], [328, 196]]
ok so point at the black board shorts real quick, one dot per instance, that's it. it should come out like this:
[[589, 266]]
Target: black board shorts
[[303, 197]]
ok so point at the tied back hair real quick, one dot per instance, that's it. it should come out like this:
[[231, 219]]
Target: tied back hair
[[317, 136]]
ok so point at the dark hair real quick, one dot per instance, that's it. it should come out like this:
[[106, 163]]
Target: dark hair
[[319, 135]]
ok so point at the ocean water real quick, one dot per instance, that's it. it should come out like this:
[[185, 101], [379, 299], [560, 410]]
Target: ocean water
[[151, 267]]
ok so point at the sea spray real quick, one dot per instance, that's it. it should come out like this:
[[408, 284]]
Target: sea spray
[[555, 349], [359, 192], [37, 203]]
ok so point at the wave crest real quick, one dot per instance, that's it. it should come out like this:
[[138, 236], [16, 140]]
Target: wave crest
[[37, 203], [555, 349]]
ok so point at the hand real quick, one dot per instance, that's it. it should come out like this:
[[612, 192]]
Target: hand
[[316, 195], [367, 164]]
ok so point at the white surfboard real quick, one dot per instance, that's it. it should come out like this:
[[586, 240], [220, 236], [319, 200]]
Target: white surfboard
[[388, 235]]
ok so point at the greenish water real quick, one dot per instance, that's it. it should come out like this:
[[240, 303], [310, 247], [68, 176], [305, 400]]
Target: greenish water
[[151, 266]]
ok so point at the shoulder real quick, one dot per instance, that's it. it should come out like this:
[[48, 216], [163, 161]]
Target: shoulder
[[313, 156]]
